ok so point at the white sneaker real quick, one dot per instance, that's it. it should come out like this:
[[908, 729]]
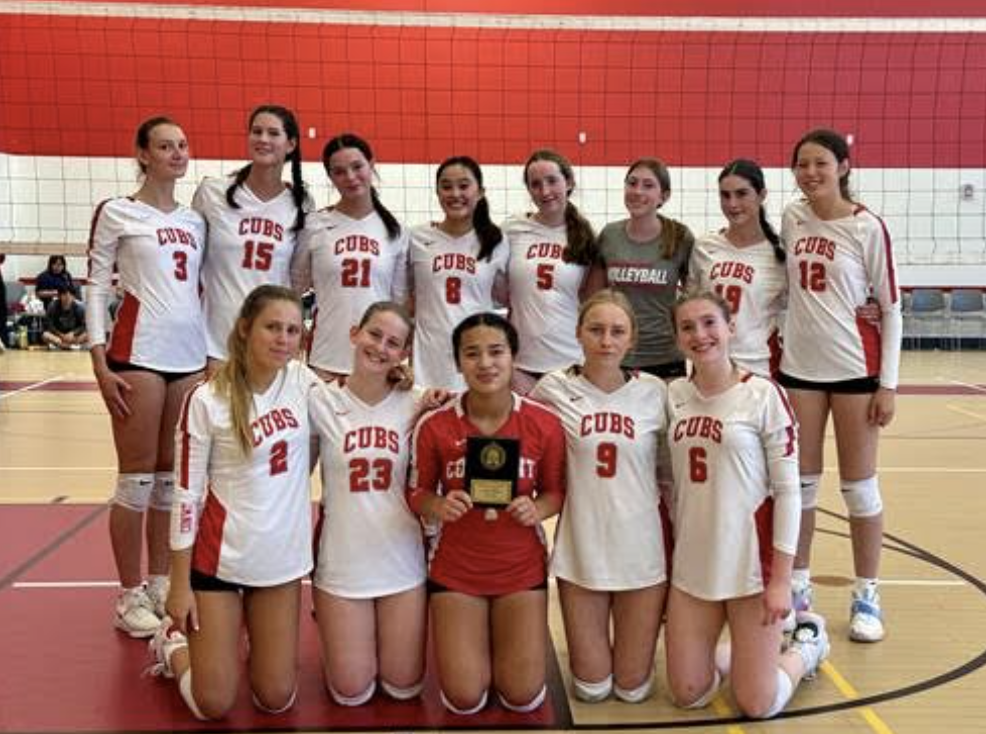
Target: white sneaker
[[801, 598], [811, 641], [866, 617], [135, 613], [163, 645], [157, 592]]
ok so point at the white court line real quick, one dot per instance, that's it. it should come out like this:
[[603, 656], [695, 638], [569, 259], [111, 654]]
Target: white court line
[[966, 413], [34, 386], [968, 386]]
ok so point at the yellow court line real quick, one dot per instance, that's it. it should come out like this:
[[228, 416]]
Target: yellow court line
[[723, 709], [845, 688]]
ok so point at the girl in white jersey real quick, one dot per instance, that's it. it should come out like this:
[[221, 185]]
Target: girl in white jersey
[[354, 253], [736, 512], [839, 255], [155, 353], [253, 219], [550, 254], [241, 523], [458, 268], [370, 572], [609, 555], [744, 263]]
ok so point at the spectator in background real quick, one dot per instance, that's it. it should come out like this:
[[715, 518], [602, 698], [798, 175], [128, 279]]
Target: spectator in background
[[65, 322], [48, 281]]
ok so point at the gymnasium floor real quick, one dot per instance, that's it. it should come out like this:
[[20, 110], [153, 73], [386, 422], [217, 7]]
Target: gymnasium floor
[[64, 669]]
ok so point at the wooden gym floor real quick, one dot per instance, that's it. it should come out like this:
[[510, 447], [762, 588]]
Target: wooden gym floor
[[64, 669]]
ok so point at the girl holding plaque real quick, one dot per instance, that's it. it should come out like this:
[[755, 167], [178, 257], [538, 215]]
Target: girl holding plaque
[[487, 574], [609, 555]]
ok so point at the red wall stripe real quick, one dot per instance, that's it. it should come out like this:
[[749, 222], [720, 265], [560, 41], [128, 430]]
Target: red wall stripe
[[79, 86]]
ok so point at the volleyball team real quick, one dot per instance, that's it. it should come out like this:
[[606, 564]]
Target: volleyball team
[[684, 496]]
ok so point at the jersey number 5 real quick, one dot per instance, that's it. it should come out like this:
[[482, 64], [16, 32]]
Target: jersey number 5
[[364, 475], [257, 255], [546, 276]]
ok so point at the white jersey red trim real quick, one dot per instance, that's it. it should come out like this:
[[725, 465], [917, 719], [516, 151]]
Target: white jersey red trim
[[352, 263], [833, 268], [248, 517], [370, 543], [609, 536], [157, 255], [736, 491]]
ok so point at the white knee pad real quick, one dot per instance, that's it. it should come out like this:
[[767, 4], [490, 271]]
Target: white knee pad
[[635, 695], [862, 497], [185, 688], [402, 694], [163, 492], [267, 710], [133, 491], [592, 692], [524, 708], [809, 490], [464, 712], [702, 701], [781, 695], [358, 700]]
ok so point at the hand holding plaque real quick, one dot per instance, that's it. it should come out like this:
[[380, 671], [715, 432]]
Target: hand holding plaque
[[492, 470]]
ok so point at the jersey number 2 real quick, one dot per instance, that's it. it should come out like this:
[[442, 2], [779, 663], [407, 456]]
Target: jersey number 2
[[355, 273], [278, 458]]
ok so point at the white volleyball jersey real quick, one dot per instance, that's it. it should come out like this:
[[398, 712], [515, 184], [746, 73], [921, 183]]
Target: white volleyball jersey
[[248, 518], [157, 255], [246, 247], [370, 543], [736, 492], [833, 267], [544, 295], [609, 536], [450, 283], [754, 284], [352, 263]]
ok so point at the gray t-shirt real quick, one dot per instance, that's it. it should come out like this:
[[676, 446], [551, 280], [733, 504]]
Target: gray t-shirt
[[650, 281]]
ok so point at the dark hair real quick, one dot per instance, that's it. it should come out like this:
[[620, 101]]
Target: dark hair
[[753, 174], [143, 137], [388, 307], [350, 140], [657, 167], [700, 295], [52, 259], [298, 192], [675, 229], [485, 318], [489, 234], [832, 142], [578, 231]]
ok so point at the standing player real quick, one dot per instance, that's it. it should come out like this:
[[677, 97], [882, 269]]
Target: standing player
[[609, 549], [839, 254], [744, 263], [458, 267], [736, 512], [354, 253], [370, 571], [486, 574], [550, 253], [241, 525], [645, 257], [155, 353], [253, 219]]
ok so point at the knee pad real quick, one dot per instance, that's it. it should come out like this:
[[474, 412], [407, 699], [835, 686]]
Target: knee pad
[[702, 701], [862, 497], [524, 708], [592, 692], [163, 492], [638, 694], [809, 490], [185, 688], [782, 695], [402, 694], [464, 712], [133, 491], [267, 710], [358, 700]]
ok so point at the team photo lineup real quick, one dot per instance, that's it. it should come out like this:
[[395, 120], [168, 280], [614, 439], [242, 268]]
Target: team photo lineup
[[662, 397]]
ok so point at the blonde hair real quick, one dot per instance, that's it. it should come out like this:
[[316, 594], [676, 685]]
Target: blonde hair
[[231, 381], [611, 296]]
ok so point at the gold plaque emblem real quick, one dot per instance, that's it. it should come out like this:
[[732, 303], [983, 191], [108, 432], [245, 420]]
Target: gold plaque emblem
[[493, 456]]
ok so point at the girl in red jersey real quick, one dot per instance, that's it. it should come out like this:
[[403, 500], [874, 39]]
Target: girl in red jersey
[[839, 255], [736, 512], [487, 571], [241, 524], [155, 352]]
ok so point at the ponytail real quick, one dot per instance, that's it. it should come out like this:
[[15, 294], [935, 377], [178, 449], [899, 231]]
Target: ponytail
[[581, 237], [488, 234], [389, 220], [772, 237]]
